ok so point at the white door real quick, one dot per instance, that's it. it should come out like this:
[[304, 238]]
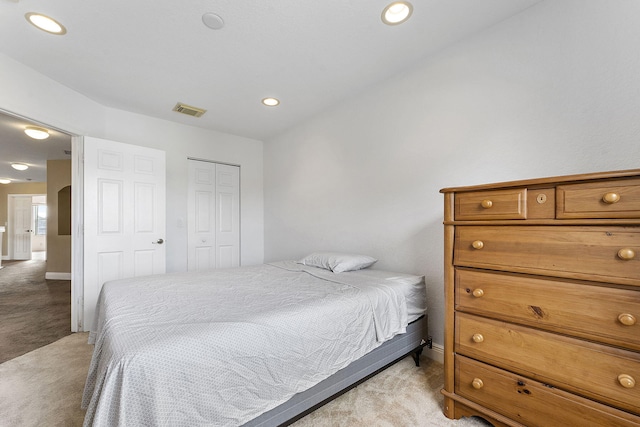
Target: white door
[[227, 216], [22, 222], [124, 215], [213, 216], [201, 216]]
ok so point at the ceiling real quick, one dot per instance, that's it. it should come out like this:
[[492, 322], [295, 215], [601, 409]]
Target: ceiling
[[17, 147], [144, 56]]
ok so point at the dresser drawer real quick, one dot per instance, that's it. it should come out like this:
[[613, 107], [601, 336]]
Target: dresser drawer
[[598, 313], [611, 199], [607, 374], [606, 254], [495, 204], [530, 402]]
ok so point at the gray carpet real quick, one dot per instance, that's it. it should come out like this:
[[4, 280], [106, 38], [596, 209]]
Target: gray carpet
[[44, 388], [33, 311]]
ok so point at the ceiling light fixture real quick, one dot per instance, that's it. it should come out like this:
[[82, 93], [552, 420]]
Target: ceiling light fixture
[[397, 12], [213, 21], [271, 102], [19, 166], [36, 132], [45, 23], [5, 181]]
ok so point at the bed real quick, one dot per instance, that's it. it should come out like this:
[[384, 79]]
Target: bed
[[254, 346]]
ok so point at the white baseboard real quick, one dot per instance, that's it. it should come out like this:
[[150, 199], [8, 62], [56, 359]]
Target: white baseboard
[[5, 257], [436, 353], [57, 276]]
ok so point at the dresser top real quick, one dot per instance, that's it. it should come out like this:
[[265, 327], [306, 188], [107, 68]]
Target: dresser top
[[541, 182]]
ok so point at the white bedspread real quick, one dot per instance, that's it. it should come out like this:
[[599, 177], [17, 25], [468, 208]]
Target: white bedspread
[[219, 348]]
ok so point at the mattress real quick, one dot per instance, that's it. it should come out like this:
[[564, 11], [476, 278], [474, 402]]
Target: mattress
[[220, 348]]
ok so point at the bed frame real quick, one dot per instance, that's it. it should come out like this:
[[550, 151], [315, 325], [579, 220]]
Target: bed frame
[[411, 342]]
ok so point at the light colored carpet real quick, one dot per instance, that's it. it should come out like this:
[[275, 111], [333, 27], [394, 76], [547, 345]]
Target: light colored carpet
[[44, 388], [400, 396]]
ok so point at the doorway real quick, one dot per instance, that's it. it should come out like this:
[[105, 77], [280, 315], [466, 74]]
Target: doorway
[[39, 227], [20, 212], [27, 226], [32, 245]]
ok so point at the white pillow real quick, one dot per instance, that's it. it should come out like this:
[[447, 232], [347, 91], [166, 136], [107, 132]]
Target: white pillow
[[337, 262]]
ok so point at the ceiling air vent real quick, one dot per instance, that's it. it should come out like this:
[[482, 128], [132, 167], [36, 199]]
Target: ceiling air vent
[[189, 110]]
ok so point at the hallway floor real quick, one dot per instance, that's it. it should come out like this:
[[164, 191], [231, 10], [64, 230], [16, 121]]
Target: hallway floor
[[33, 311]]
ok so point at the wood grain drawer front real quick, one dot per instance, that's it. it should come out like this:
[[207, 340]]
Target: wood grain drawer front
[[606, 254], [530, 402], [496, 204], [612, 199], [599, 313], [607, 374]]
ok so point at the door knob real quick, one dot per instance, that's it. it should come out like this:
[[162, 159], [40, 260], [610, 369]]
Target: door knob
[[158, 242]]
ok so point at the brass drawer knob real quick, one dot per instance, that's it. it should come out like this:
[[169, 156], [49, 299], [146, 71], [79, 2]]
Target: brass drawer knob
[[627, 319], [626, 381], [479, 244], [478, 293], [477, 383], [611, 198], [626, 254], [477, 338], [486, 203]]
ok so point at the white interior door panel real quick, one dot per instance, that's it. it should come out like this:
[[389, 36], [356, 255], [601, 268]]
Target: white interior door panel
[[21, 227], [213, 216], [124, 215]]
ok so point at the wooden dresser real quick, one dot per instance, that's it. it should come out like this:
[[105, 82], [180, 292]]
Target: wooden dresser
[[542, 290]]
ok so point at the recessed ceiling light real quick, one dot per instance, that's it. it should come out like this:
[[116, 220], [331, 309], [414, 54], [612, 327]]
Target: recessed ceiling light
[[19, 166], [5, 181], [46, 23], [36, 132], [397, 12], [271, 102]]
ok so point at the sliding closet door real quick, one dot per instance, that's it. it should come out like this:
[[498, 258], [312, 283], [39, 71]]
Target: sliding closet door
[[213, 216], [227, 216]]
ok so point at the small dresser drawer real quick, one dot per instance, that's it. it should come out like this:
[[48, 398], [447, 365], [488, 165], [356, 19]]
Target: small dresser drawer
[[530, 402], [495, 204], [598, 313], [607, 374], [606, 254], [611, 199]]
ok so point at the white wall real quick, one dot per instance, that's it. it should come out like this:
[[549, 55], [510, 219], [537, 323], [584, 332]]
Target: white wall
[[33, 95], [181, 142], [552, 91]]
